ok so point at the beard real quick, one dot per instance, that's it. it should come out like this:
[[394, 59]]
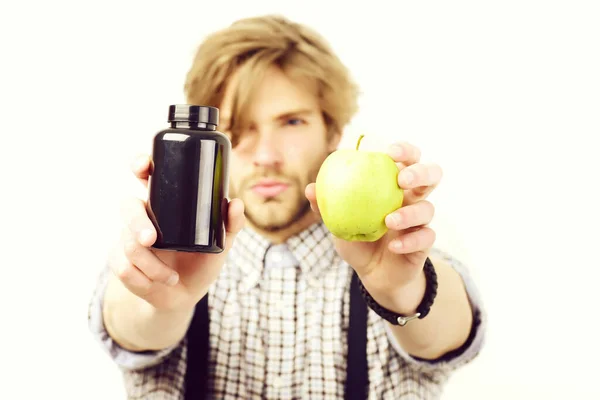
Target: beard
[[273, 214], [279, 212]]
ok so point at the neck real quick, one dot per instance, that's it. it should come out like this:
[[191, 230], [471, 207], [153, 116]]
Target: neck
[[284, 234]]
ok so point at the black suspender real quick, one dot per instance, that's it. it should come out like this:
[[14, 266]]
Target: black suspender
[[357, 379], [198, 345]]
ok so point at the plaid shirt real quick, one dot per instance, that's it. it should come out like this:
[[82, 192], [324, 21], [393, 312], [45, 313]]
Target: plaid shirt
[[278, 321]]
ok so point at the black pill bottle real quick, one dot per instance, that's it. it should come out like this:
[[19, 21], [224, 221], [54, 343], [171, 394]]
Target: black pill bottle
[[188, 185]]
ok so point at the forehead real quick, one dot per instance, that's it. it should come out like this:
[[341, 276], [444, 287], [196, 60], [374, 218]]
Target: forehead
[[275, 95]]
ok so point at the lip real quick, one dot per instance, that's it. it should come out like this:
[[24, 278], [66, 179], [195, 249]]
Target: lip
[[269, 187]]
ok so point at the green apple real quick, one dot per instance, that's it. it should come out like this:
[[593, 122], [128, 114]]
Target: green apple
[[355, 191]]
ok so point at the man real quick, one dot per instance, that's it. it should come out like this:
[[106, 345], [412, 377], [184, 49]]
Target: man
[[277, 315]]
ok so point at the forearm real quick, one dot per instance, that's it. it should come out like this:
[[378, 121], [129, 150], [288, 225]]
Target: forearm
[[448, 324], [136, 325]]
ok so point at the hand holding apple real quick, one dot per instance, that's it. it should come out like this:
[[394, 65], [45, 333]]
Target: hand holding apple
[[379, 217], [355, 191]]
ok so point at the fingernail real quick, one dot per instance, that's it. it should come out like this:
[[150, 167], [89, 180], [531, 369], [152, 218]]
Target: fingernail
[[146, 236], [138, 163], [397, 151], [123, 269], [408, 177], [173, 279], [398, 245], [394, 220]]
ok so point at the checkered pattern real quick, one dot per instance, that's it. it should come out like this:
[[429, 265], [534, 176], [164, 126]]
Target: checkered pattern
[[279, 319]]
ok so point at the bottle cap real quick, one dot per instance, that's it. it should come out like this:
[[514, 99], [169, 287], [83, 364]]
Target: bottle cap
[[194, 114]]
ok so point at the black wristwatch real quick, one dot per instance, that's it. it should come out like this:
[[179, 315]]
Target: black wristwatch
[[422, 309]]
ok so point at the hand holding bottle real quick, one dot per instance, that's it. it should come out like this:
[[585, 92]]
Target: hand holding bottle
[[164, 278]]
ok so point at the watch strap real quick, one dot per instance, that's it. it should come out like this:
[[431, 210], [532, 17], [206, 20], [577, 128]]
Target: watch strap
[[423, 308]]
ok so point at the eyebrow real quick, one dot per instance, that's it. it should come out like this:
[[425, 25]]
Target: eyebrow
[[301, 111]]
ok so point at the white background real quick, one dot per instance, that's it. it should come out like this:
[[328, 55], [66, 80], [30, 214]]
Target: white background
[[504, 95]]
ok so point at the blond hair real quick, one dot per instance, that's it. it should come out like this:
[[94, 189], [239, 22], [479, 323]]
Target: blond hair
[[249, 47]]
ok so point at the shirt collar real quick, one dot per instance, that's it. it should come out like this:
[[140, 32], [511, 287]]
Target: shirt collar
[[313, 248]]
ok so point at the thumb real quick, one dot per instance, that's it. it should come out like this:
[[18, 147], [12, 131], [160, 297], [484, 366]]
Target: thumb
[[311, 194], [235, 221]]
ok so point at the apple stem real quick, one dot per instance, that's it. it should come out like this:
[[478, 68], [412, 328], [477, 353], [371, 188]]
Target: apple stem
[[359, 139]]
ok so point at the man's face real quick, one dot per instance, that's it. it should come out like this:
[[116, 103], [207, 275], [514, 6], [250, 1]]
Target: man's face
[[280, 152]]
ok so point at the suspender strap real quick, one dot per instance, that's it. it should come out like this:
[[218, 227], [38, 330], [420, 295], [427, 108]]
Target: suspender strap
[[196, 376], [357, 378]]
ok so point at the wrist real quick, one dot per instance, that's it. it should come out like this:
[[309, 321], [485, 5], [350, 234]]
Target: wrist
[[172, 323], [137, 325], [404, 299], [391, 308]]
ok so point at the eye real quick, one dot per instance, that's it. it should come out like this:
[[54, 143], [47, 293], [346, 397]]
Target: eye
[[295, 121]]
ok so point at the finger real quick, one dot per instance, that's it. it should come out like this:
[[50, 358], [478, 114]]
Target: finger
[[141, 167], [136, 217], [413, 241], [131, 277], [401, 166], [405, 153], [420, 213], [311, 194], [420, 175], [235, 216], [148, 263], [236, 219]]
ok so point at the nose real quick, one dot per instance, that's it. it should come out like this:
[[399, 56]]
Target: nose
[[267, 153]]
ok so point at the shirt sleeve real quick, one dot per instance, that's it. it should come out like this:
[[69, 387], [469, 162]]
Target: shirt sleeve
[[125, 359], [473, 345]]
